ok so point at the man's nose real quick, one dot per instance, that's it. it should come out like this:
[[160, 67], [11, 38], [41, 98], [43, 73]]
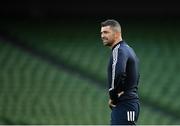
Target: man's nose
[[102, 35]]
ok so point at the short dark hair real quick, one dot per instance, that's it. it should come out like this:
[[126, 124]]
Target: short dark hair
[[112, 23]]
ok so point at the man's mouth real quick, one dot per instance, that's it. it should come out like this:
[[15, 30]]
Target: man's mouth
[[104, 39]]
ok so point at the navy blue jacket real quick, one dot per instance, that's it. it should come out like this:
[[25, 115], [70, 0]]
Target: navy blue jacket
[[123, 73]]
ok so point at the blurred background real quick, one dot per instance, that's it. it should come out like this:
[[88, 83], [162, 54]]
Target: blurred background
[[53, 63]]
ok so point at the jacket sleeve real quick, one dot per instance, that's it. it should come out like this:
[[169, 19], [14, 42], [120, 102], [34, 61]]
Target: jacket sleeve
[[118, 73]]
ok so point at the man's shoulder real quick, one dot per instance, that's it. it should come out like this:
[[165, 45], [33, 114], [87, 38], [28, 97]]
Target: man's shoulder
[[124, 47]]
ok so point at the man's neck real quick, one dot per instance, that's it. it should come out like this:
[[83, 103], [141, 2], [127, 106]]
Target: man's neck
[[117, 41]]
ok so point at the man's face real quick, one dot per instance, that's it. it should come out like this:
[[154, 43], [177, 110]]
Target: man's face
[[107, 35]]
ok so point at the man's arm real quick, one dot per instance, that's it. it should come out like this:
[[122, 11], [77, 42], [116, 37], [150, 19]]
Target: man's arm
[[118, 73], [111, 104]]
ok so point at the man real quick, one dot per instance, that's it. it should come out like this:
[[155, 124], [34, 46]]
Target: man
[[123, 76]]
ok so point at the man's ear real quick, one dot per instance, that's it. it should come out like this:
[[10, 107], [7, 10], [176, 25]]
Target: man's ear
[[117, 34]]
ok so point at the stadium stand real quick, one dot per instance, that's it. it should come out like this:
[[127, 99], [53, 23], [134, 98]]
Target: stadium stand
[[32, 87]]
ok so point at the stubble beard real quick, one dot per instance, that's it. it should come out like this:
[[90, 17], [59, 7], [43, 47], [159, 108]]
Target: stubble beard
[[107, 43]]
